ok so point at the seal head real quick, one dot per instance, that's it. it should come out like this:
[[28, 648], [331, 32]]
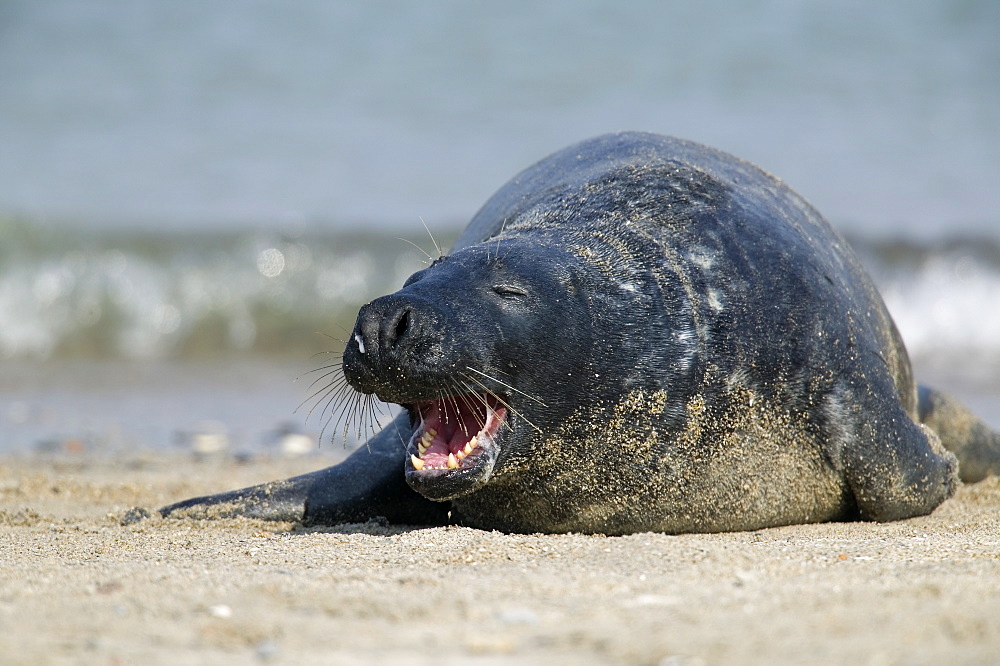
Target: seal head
[[461, 348]]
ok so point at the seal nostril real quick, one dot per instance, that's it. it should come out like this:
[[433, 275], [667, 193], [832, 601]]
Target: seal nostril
[[402, 324]]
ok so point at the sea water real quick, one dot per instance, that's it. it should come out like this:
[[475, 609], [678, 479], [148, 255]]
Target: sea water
[[195, 198]]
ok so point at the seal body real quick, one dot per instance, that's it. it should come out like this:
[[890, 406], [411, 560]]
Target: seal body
[[638, 333]]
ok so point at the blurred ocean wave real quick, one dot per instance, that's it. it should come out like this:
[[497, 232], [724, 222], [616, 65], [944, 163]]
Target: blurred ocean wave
[[943, 296], [67, 293], [72, 294]]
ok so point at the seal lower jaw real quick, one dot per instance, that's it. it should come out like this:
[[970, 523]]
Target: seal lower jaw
[[454, 446]]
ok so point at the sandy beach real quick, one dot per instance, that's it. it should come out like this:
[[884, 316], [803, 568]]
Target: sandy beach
[[80, 583], [196, 199]]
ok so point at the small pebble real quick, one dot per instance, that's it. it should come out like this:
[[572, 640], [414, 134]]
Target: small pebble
[[268, 649], [133, 515]]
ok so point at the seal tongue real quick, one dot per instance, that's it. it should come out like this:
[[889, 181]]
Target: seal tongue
[[453, 428]]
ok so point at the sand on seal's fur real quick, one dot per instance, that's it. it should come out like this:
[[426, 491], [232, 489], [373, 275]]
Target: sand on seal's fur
[[77, 586]]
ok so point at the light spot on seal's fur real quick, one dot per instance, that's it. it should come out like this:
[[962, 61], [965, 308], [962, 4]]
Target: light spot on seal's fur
[[361, 343], [715, 300], [684, 335], [741, 377], [688, 340], [702, 258]]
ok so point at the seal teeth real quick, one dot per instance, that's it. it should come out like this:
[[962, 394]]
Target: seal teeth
[[428, 441], [425, 440]]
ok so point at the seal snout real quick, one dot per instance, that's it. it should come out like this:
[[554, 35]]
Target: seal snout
[[385, 324], [391, 342]]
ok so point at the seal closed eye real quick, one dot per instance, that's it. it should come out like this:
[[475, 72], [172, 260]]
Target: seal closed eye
[[638, 333]]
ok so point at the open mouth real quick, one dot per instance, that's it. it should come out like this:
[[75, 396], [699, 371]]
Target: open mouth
[[454, 444]]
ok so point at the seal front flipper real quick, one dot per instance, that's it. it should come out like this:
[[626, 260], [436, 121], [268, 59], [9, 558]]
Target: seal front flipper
[[369, 484], [276, 500]]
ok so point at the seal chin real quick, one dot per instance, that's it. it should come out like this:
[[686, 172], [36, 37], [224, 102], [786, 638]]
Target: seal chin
[[454, 446]]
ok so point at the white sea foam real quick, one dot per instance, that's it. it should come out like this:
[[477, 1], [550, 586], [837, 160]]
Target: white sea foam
[[949, 306], [155, 296]]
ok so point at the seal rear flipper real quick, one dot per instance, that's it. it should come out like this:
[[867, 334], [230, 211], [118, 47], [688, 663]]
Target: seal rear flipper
[[895, 467], [369, 484], [356, 491], [976, 446]]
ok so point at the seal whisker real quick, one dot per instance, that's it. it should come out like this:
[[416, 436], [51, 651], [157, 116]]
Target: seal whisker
[[325, 422], [505, 385], [319, 379], [433, 240], [454, 405], [494, 370], [336, 364], [503, 402], [333, 367], [334, 339], [348, 410], [338, 377], [467, 397], [499, 234], [503, 227], [346, 416], [353, 420], [344, 398], [375, 409], [337, 385], [449, 397], [366, 415], [323, 397], [407, 240], [403, 441], [478, 393]]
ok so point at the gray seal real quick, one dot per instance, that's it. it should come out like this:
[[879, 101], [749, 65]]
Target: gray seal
[[638, 333]]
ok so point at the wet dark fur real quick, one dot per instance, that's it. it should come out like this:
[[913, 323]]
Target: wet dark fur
[[684, 345]]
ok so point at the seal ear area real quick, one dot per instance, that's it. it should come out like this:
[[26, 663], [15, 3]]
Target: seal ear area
[[419, 275]]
